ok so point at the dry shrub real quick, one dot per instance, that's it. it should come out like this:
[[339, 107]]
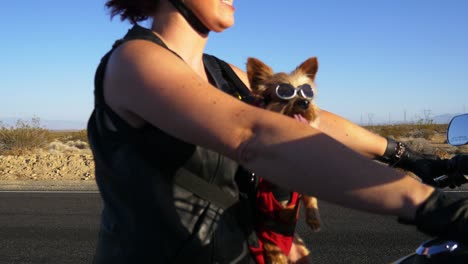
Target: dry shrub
[[79, 144], [69, 146], [65, 136], [416, 130], [420, 145], [461, 149], [23, 137]]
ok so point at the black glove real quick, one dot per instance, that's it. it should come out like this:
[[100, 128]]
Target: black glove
[[425, 166], [457, 172], [444, 215]]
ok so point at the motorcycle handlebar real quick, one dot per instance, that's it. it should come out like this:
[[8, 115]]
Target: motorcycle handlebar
[[457, 172]]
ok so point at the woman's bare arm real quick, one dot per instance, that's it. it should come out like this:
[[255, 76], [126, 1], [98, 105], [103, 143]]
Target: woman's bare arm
[[348, 133], [172, 97], [352, 135]]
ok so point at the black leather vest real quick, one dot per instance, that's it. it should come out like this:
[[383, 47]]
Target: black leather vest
[[147, 217]]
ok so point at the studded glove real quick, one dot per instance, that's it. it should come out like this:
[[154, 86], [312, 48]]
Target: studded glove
[[425, 166]]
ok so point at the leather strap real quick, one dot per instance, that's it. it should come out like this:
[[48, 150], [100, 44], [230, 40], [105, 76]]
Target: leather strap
[[191, 18], [210, 192]]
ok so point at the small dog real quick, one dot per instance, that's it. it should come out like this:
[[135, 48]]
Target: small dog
[[292, 95]]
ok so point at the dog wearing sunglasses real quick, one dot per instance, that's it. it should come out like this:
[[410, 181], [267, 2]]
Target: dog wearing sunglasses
[[278, 209]]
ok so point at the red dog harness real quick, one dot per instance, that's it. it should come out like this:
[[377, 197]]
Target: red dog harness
[[274, 222]]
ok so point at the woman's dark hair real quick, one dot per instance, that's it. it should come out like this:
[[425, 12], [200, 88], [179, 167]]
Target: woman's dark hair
[[132, 10]]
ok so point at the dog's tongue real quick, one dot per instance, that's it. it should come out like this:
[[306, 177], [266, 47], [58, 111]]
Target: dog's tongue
[[301, 119]]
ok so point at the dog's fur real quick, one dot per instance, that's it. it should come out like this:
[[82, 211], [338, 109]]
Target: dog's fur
[[263, 82]]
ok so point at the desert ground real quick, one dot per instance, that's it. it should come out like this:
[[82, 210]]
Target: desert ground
[[73, 161], [70, 161]]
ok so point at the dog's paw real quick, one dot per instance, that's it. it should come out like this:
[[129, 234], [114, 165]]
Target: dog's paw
[[299, 253], [312, 218], [274, 254]]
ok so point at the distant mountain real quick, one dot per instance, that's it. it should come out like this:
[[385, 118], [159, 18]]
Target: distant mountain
[[46, 123], [443, 119], [79, 125], [63, 124]]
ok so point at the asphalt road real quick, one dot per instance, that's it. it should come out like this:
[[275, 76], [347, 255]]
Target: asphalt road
[[52, 228], [61, 227]]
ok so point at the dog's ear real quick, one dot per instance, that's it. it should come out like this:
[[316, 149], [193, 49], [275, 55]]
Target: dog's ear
[[309, 67], [257, 72]]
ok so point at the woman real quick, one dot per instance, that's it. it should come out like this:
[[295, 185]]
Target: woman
[[168, 137]]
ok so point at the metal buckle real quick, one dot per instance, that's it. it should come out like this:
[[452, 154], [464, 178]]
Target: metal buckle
[[401, 149]]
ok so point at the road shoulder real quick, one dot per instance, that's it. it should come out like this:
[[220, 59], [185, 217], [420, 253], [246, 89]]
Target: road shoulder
[[48, 185]]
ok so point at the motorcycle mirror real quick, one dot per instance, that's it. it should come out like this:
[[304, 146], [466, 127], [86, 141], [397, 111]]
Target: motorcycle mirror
[[457, 132]]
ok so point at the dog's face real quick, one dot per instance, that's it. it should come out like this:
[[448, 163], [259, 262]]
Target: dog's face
[[272, 86]]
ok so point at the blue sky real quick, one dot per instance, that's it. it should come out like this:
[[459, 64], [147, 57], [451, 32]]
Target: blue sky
[[380, 60]]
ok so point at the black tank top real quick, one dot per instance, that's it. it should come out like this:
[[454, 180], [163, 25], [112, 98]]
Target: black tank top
[[147, 217]]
